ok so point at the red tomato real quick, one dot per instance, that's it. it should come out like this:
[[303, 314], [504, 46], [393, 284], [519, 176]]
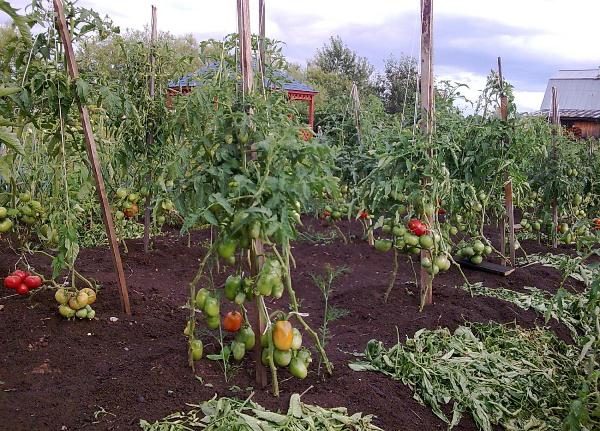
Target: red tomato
[[33, 281], [417, 227], [22, 289], [12, 282], [363, 215], [21, 274], [232, 321], [442, 211]]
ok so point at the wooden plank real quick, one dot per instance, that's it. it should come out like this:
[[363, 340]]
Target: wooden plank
[[490, 267], [90, 144], [149, 135], [257, 257], [427, 118]]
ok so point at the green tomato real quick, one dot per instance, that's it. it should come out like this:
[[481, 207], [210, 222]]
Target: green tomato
[[240, 298], [411, 240], [197, 348], [82, 313], [265, 357], [24, 197], [442, 262], [226, 248], [238, 349], [66, 311], [254, 229], [133, 197], [232, 286], [398, 231], [386, 228], [477, 259], [3, 213], [122, 193], [282, 358], [297, 339], [211, 306], [212, 322], [468, 252], [426, 242], [383, 245], [6, 225], [478, 247], [246, 335], [201, 296], [426, 262], [298, 368]]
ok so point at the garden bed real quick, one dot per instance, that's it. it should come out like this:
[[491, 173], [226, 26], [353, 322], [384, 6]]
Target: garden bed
[[104, 375]]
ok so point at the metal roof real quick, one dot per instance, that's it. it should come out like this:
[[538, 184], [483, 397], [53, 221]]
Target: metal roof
[[577, 74], [578, 92], [572, 113], [281, 79]]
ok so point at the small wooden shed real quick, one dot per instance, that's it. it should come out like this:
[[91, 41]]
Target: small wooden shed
[[578, 94], [295, 90]]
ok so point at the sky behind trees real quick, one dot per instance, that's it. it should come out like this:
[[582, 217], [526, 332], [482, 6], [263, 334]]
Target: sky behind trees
[[535, 38]]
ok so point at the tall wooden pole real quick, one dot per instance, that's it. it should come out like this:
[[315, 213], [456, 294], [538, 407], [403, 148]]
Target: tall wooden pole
[[257, 254], [427, 117], [261, 40], [508, 189], [90, 144], [149, 133], [555, 121]]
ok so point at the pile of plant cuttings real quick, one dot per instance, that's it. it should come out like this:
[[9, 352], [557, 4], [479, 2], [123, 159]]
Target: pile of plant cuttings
[[245, 415], [501, 375], [565, 307], [573, 267]]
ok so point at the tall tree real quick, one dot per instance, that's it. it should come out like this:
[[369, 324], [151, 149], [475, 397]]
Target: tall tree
[[397, 85], [336, 57]]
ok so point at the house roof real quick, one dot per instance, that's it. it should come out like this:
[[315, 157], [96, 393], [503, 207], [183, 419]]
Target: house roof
[[280, 79], [578, 93]]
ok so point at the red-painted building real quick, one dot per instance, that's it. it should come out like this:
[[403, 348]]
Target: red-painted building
[[295, 90]]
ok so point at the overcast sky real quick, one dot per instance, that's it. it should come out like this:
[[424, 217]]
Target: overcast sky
[[535, 38]]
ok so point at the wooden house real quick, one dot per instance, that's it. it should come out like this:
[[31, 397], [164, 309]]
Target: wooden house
[[578, 93]]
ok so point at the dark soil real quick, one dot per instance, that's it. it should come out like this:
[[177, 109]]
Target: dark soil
[[101, 375]]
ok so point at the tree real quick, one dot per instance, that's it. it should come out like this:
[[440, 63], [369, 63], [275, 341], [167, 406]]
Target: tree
[[336, 57], [398, 85]]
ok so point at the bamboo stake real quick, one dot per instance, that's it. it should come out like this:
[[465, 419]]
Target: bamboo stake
[[90, 144], [508, 189], [427, 119], [149, 135], [257, 255]]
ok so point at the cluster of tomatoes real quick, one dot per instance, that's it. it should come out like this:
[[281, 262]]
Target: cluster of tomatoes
[[286, 351], [330, 213], [127, 203], [232, 322], [22, 281], [413, 237], [76, 303], [475, 251], [27, 211]]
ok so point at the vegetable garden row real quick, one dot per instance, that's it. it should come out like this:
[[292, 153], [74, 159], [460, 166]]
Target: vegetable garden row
[[269, 261]]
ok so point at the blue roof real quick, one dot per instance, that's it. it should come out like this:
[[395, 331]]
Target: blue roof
[[282, 80]]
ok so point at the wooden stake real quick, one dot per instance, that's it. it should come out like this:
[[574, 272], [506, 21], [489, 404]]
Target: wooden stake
[[555, 121], [261, 40], [149, 135], [427, 118], [508, 189], [63, 30], [257, 255]]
